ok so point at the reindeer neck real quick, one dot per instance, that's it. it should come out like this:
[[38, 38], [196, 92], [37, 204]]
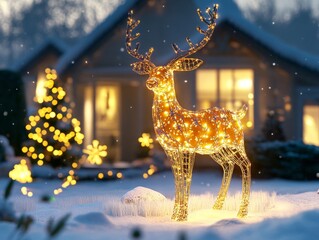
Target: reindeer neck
[[167, 97]]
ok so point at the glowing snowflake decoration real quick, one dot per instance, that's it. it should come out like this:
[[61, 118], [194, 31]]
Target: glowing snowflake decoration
[[21, 172], [146, 140], [95, 152]]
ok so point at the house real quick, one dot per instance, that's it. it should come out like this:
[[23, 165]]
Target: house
[[243, 65]]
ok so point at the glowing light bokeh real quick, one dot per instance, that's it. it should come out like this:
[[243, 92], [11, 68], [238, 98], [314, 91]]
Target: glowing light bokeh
[[95, 152], [21, 172], [146, 140]]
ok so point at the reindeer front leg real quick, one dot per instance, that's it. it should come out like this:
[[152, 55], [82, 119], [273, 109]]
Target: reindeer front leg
[[245, 169], [173, 157], [182, 167]]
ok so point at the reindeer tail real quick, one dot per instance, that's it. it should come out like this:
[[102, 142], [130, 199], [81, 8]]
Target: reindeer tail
[[242, 112]]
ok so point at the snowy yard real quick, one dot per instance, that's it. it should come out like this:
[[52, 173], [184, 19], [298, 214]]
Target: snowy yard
[[279, 209]]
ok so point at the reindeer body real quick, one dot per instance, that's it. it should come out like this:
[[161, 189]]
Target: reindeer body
[[203, 132], [183, 133]]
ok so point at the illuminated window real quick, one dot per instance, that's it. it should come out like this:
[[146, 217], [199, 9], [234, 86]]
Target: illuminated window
[[88, 115], [40, 91], [227, 88], [311, 125]]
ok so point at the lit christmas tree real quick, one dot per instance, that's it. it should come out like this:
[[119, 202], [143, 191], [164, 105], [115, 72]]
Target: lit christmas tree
[[54, 134]]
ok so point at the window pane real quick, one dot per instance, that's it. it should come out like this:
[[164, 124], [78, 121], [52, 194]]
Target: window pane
[[206, 88], [245, 93], [244, 83], [226, 82], [235, 87]]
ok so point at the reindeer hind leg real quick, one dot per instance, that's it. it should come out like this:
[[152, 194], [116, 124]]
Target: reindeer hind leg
[[245, 167], [223, 159]]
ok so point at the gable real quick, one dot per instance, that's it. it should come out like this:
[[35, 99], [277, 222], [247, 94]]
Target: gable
[[46, 58], [160, 27], [163, 23]]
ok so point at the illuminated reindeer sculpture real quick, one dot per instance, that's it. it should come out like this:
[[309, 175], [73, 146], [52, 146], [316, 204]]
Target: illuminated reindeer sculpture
[[183, 133]]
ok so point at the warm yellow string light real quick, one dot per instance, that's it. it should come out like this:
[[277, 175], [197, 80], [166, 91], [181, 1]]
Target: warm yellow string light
[[53, 141], [183, 133]]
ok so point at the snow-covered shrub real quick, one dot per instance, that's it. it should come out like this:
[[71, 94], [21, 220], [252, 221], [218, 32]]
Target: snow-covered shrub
[[139, 194], [291, 159]]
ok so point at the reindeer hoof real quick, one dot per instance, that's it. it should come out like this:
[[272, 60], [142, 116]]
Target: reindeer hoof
[[180, 218], [242, 213], [174, 216], [175, 213], [218, 205], [179, 215]]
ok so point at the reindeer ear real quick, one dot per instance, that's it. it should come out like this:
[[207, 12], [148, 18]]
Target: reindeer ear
[[142, 68], [186, 64]]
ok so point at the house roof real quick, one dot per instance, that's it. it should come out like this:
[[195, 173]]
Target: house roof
[[229, 11], [232, 13], [54, 43], [105, 26]]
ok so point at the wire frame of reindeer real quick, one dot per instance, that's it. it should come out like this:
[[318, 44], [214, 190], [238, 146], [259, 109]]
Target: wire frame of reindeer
[[182, 133]]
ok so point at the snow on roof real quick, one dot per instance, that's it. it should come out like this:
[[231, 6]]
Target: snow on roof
[[229, 11], [49, 42], [105, 26]]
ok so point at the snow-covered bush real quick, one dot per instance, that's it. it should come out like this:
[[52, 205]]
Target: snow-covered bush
[[291, 159], [143, 194]]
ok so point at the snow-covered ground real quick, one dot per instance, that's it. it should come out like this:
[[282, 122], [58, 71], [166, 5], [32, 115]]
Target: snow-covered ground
[[279, 209]]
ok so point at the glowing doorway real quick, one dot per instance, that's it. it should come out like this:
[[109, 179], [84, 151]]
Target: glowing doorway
[[102, 117]]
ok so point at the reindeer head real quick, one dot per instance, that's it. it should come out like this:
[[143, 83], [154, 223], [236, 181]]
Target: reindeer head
[[161, 77]]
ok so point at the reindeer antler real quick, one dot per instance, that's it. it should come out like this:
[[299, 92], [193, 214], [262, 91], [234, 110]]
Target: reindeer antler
[[131, 25], [210, 22]]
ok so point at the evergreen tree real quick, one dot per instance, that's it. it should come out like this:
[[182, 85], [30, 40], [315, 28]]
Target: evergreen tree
[[272, 130], [54, 134]]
